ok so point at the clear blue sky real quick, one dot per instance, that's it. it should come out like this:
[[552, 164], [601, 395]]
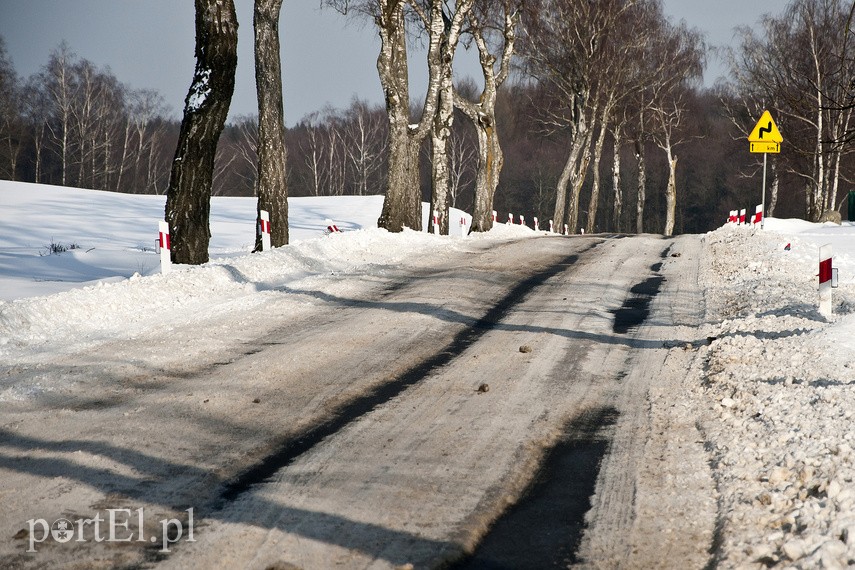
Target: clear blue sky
[[326, 58]]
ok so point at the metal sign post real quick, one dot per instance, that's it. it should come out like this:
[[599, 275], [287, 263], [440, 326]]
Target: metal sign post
[[763, 200]]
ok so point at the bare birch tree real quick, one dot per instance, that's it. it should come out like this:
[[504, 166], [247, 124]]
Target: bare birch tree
[[802, 64], [619, 80], [146, 108], [272, 180], [682, 52], [463, 164], [36, 110], [206, 106], [402, 203], [482, 113], [669, 115], [11, 113], [364, 142], [312, 152], [440, 132], [60, 87], [566, 45]]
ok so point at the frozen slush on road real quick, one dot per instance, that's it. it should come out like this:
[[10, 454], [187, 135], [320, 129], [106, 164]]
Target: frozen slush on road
[[679, 402]]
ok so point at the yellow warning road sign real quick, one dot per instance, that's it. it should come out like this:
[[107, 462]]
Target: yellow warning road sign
[[766, 131]]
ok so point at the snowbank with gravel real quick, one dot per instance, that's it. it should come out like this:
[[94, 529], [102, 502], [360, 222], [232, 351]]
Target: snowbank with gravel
[[776, 400]]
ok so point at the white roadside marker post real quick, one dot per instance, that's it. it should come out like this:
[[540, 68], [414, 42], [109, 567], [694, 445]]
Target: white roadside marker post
[[510, 219], [436, 222], [522, 220], [758, 215], [825, 280], [495, 216], [536, 224], [264, 228], [552, 226], [566, 230], [742, 217], [165, 248]]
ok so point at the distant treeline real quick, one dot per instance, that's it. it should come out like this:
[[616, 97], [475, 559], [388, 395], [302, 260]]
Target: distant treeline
[[75, 124]]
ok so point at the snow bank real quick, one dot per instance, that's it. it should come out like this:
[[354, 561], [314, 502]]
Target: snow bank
[[777, 397], [104, 310]]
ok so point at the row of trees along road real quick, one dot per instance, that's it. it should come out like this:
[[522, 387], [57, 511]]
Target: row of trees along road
[[565, 82]]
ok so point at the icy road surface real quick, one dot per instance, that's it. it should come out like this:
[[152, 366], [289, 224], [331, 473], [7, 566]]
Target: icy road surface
[[400, 420]]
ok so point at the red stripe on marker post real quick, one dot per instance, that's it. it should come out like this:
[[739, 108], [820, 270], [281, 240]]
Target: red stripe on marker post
[[165, 248], [824, 271], [825, 308], [264, 216], [331, 227]]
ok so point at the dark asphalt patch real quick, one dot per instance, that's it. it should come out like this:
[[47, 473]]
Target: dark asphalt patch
[[544, 528], [636, 307]]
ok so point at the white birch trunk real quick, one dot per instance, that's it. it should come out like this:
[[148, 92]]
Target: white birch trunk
[[671, 195], [483, 117], [617, 206], [578, 180], [642, 187], [598, 154]]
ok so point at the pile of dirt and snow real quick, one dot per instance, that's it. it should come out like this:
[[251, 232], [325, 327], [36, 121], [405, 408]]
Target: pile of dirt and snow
[[776, 399]]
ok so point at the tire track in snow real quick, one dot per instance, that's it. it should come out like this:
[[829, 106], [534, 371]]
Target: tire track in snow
[[296, 446]]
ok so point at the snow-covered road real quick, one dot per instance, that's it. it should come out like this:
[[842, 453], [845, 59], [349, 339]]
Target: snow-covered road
[[121, 387], [379, 418]]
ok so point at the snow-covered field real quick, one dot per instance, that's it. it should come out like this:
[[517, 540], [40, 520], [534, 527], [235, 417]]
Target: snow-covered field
[[110, 236], [775, 401]]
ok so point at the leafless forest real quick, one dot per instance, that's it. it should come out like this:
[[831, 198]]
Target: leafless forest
[[593, 114]]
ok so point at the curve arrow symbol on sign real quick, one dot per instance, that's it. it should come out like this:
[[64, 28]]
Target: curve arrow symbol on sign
[[766, 131]]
